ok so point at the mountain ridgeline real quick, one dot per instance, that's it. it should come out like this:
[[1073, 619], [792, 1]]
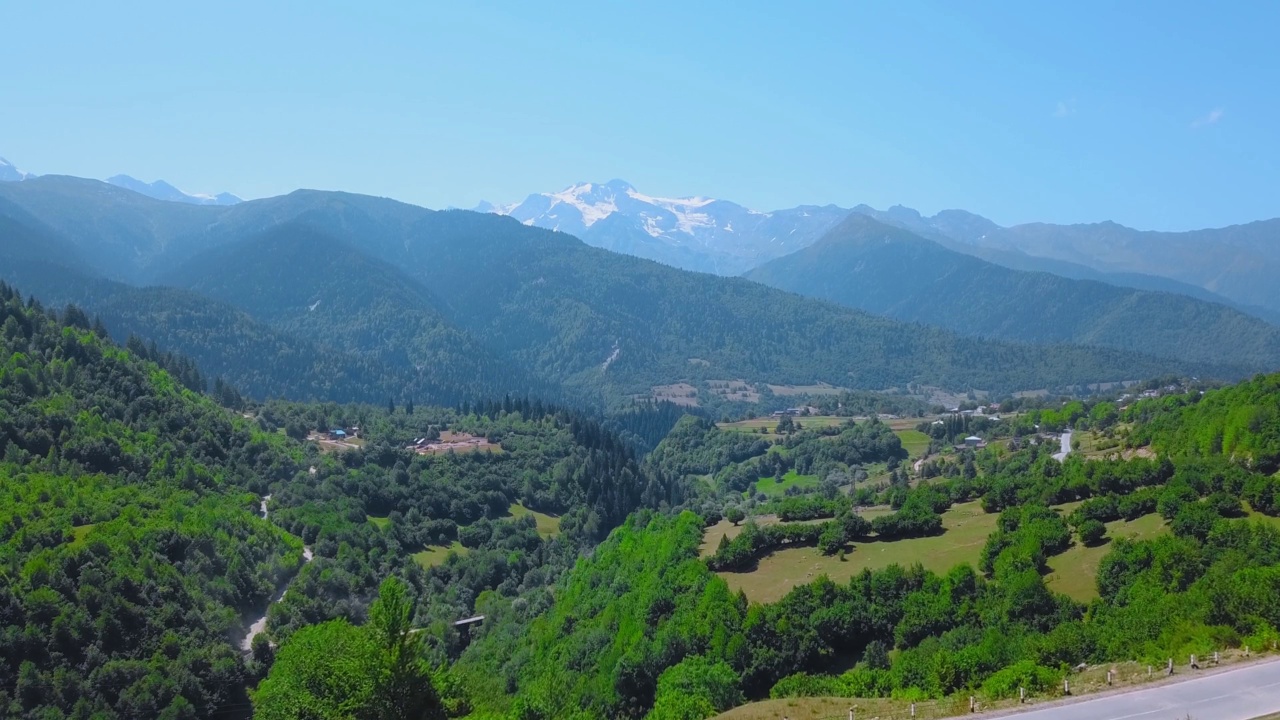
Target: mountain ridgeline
[[889, 271], [723, 237], [406, 302]]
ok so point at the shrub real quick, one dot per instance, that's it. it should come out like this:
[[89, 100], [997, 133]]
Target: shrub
[[1023, 674], [1092, 532]]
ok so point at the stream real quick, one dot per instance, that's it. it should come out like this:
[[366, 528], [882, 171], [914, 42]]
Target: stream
[[260, 624]]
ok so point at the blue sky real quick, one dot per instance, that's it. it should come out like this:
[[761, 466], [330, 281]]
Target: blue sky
[[1161, 117]]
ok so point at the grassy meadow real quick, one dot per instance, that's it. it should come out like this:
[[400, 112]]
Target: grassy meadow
[[966, 529], [774, 489], [548, 525], [914, 442], [435, 554]]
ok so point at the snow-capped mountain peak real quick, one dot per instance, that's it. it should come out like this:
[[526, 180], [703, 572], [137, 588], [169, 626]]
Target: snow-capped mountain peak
[[161, 190], [579, 207], [698, 233], [9, 173]]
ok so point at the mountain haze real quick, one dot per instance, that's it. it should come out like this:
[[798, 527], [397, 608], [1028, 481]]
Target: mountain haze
[[695, 233], [725, 238], [886, 270], [161, 190], [1239, 262], [446, 290]]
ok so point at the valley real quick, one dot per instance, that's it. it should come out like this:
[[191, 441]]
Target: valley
[[569, 547], [289, 433], [607, 484]]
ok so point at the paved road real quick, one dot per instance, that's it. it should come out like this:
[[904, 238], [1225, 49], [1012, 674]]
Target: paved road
[[1065, 447], [1242, 694]]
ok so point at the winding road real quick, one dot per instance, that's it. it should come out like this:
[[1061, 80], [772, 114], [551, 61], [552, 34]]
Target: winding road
[[260, 624], [1238, 694]]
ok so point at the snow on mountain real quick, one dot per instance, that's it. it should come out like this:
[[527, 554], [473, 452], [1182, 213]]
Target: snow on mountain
[[161, 190], [695, 233], [9, 173]]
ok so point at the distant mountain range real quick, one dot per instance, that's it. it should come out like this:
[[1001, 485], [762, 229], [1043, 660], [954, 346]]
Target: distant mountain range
[[160, 190], [886, 270], [324, 295], [697, 233], [1230, 265], [9, 173]]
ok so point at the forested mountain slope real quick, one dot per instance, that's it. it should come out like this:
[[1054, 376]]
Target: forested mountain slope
[[1241, 422], [127, 538], [1237, 261], [309, 285], [594, 322], [885, 270], [227, 343], [645, 629], [119, 233], [134, 551]]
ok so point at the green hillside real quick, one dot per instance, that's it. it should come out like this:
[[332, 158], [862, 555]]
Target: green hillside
[[133, 545], [889, 271], [128, 538], [597, 324], [645, 629], [308, 285]]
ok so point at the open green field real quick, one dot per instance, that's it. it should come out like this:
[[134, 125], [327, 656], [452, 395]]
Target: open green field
[[966, 525], [966, 529], [435, 555], [548, 525], [914, 442], [379, 522], [1075, 571], [769, 423], [776, 489], [79, 532]]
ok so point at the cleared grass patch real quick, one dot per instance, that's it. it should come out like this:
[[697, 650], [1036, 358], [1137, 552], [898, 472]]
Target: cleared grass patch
[[769, 423], [966, 529], [914, 442], [548, 525], [1255, 515], [379, 522], [79, 532], [435, 554], [1075, 571], [775, 489], [711, 536]]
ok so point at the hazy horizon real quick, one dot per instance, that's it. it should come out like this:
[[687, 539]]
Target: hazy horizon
[[1063, 115]]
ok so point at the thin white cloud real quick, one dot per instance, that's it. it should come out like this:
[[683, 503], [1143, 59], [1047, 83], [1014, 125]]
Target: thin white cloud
[[1211, 119], [1065, 108]]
